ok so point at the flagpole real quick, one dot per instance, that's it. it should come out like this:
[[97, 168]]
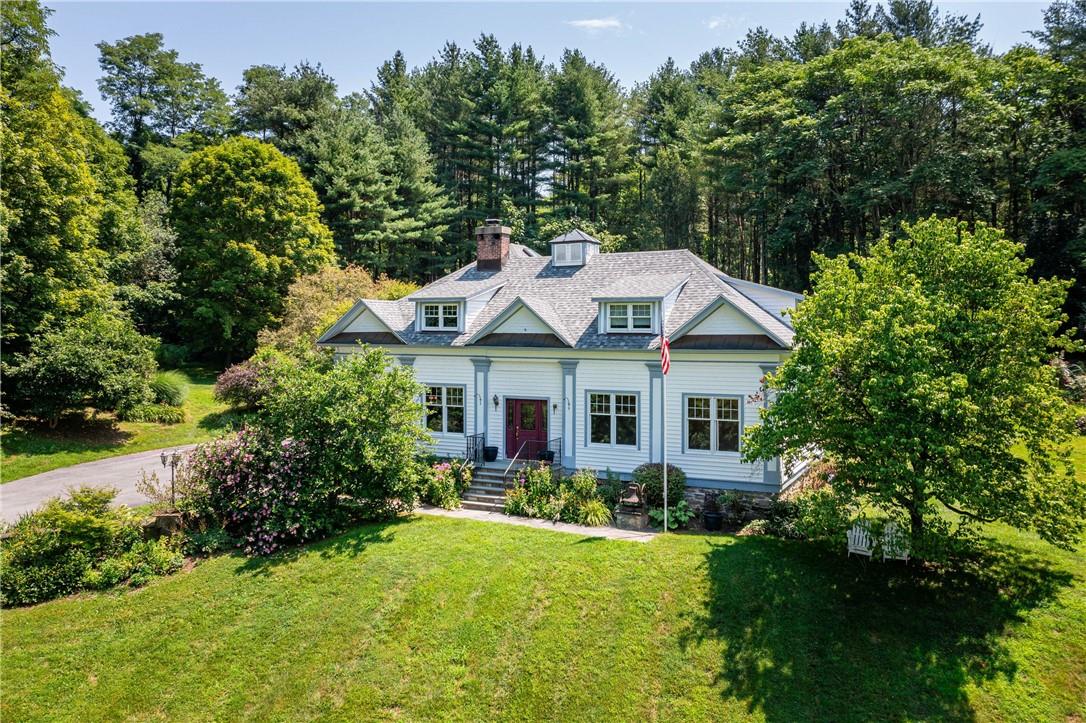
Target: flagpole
[[663, 425]]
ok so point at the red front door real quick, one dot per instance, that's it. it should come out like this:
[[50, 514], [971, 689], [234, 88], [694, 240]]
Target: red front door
[[525, 421]]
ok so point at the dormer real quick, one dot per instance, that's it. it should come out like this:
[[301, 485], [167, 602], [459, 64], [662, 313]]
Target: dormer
[[638, 304], [573, 249], [435, 311]]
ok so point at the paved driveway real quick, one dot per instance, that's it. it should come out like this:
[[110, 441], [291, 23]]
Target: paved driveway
[[121, 473]]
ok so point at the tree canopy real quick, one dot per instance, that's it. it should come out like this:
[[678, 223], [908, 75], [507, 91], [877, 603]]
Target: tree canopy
[[247, 223], [920, 372]]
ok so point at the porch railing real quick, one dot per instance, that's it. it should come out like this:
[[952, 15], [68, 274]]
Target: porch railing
[[474, 449], [543, 451]]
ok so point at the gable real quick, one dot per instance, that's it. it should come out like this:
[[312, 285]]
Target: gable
[[725, 320], [522, 321], [366, 321]]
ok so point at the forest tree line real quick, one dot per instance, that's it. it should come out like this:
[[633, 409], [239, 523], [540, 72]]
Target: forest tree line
[[194, 209]]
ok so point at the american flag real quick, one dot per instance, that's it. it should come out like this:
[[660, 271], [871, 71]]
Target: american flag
[[665, 354]]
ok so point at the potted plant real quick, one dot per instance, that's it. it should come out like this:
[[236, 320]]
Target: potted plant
[[710, 513], [490, 453]]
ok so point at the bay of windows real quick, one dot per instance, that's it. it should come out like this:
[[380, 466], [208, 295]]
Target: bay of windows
[[445, 409], [445, 317], [612, 418], [712, 424]]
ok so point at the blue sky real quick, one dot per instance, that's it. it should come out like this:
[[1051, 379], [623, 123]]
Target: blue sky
[[352, 39]]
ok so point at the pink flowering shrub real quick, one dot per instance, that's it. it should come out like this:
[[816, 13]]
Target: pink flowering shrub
[[262, 490], [330, 444], [446, 482], [243, 385]]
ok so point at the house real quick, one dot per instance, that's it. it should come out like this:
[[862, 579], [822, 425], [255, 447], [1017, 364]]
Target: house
[[560, 355]]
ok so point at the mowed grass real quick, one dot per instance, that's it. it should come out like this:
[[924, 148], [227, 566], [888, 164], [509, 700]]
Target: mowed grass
[[431, 617], [30, 448]]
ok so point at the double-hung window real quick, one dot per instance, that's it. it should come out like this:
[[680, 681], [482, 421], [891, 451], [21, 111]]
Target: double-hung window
[[441, 317], [445, 409], [712, 424], [612, 419], [629, 317]]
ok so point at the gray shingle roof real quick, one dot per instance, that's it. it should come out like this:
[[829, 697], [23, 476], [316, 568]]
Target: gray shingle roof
[[563, 297]]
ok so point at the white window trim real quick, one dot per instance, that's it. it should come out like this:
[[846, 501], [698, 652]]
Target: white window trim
[[605, 317], [442, 307], [445, 409], [614, 426], [713, 419]]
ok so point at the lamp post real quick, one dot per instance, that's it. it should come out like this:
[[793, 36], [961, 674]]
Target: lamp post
[[171, 459]]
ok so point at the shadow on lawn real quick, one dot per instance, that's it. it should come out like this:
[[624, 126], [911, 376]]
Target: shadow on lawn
[[73, 433], [353, 542], [810, 635]]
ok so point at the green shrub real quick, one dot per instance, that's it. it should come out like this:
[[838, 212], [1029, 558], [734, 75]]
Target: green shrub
[[207, 542], [172, 355], [445, 482], [611, 489], [338, 443], [48, 553], [651, 477], [170, 388], [821, 515], [538, 492], [594, 513], [157, 413], [98, 360], [677, 516], [154, 558], [756, 527]]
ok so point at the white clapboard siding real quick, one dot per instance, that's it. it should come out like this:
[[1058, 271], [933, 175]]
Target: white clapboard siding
[[446, 371], [726, 320], [600, 375], [366, 321], [523, 379], [711, 379], [772, 300], [523, 321]]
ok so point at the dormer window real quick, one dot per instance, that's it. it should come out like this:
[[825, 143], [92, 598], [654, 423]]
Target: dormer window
[[573, 249], [632, 317], [568, 254], [440, 317]]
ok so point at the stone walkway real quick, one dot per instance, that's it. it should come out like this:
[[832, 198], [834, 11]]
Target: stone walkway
[[121, 473], [611, 533]]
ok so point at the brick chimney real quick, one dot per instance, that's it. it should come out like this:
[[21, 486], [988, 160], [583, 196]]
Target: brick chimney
[[492, 245]]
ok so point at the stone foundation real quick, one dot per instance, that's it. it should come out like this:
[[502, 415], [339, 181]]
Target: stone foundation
[[755, 505]]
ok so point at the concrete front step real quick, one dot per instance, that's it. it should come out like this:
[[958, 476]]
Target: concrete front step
[[479, 495], [481, 506]]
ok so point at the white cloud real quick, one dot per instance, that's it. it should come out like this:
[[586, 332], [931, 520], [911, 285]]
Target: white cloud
[[597, 25], [721, 22]]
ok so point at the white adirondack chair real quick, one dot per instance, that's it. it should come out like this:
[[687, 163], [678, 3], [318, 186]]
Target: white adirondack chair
[[859, 540], [894, 543]]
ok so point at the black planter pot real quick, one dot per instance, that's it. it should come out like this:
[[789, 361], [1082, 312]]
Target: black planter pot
[[490, 453], [713, 521], [546, 455]]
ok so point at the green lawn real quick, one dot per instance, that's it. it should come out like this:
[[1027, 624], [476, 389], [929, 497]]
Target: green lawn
[[438, 618], [30, 448]]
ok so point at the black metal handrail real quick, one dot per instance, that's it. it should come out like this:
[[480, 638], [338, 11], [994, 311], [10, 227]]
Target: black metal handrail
[[536, 450], [474, 449]]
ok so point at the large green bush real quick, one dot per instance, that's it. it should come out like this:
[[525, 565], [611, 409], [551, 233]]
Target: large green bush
[[330, 444], [71, 543], [651, 477], [97, 360]]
